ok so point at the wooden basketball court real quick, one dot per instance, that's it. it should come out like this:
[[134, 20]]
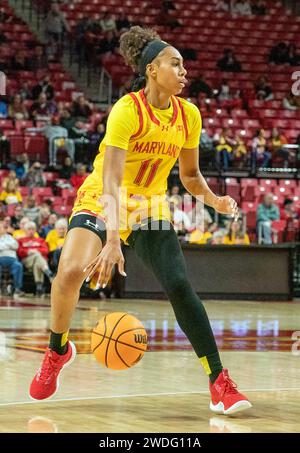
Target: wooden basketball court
[[167, 391]]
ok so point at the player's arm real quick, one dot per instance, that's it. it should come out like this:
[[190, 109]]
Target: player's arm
[[117, 137], [111, 254], [195, 184]]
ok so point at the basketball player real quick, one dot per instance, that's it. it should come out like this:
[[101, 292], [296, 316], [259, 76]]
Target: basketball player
[[147, 131]]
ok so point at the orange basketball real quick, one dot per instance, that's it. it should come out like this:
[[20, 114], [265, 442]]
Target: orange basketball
[[119, 341]]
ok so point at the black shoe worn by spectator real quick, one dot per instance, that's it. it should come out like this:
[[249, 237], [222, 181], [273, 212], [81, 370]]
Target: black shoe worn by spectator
[[39, 290], [49, 274]]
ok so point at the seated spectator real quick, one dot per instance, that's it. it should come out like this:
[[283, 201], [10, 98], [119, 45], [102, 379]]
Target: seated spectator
[[107, 22], [201, 235], [44, 86], [180, 219], [20, 233], [266, 213], [12, 177], [122, 23], [199, 215], [9, 260], [25, 91], [95, 138], [81, 108], [199, 85], [292, 57], [263, 89], [17, 217], [38, 60], [34, 254], [3, 109], [11, 194], [108, 44], [288, 211], [67, 169], [31, 210], [43, 215], [78, 179], [235, 229], [259, 154], [240, 152], [49, 226], [223, 5], [218, 237], [58, 138], [66, 119], [278, 54], [229, 62], [277, 142], [55, 240], [224, 144], [290, 102], [17, 109], [8, 225], [206, 142], [19, 62], [224, 91], [35, 177], [43, 109], [259, 7], [175, 194], [22, 165], [242, 8]]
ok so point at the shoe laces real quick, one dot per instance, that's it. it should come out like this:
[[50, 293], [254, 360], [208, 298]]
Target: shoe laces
[[49, 366], [229, 386]]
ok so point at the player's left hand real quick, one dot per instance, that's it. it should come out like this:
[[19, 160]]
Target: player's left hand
[[227, 205]]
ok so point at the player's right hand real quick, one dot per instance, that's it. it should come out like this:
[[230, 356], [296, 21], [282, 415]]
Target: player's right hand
[[110, 255]]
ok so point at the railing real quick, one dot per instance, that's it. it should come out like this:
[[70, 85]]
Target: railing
[[105, 88]]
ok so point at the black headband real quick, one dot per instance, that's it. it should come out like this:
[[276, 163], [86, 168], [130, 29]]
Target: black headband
[[149, 53]]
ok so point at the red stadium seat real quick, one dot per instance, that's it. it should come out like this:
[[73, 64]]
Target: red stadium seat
[[36, 147], [6, 124], [42, 191], [17, 144]]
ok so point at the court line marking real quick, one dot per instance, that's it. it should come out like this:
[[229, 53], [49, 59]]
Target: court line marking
[[138, 395]]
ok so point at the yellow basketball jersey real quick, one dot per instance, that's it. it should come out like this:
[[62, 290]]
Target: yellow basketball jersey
[[152, 138]]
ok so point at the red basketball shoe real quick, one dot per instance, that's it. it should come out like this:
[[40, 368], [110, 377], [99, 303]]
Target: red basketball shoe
[[225, 399], [46, 381]]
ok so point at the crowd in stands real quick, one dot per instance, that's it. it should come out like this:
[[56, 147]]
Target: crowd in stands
[[242, 7], [32, 230], [72, 126], [194, 223]]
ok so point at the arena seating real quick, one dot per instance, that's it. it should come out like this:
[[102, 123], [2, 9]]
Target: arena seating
[[209, 32]]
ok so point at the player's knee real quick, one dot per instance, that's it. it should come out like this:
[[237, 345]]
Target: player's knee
[[70, 274], [178, 287]]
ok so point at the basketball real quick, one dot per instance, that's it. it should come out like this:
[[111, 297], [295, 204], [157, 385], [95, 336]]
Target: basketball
[[119, 341]]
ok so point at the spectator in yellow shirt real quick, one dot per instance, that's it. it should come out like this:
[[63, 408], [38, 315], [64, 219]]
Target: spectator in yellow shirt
[[201, 235], [55, 240], [235, 229], [11, 195], [21, 233]]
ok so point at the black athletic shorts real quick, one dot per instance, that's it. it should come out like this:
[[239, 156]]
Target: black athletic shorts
[[89, 222]]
